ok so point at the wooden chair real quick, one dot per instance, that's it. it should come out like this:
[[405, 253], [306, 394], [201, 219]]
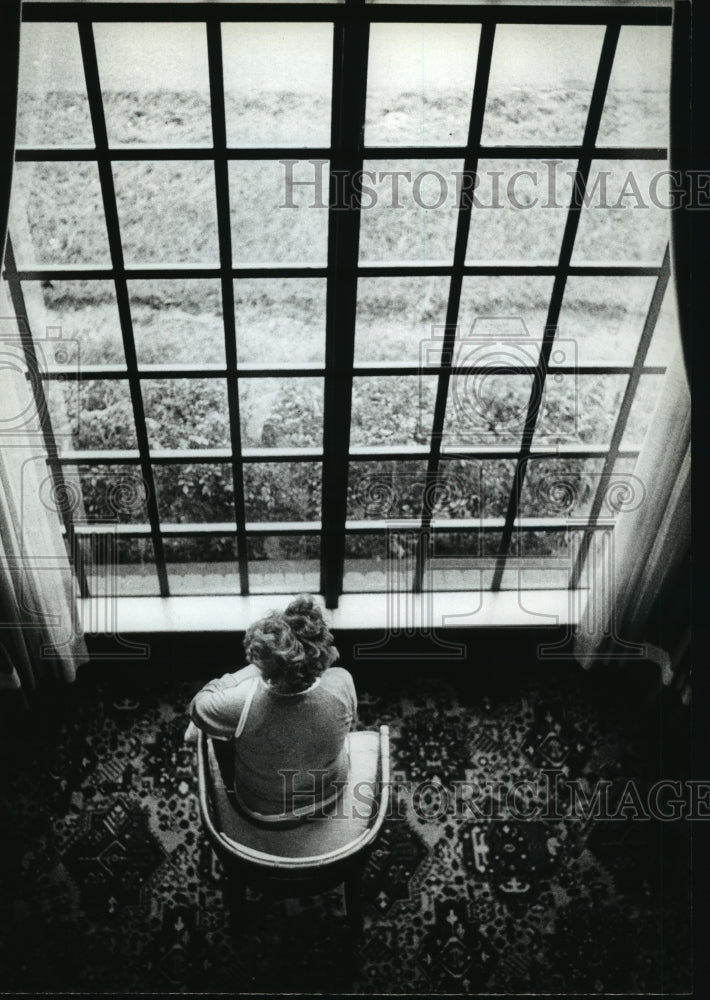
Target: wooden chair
[[314, 856]]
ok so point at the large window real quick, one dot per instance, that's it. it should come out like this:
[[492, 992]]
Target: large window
[[369, 296]]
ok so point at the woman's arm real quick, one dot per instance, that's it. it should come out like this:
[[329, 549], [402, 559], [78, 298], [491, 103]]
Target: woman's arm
[[217, 707]]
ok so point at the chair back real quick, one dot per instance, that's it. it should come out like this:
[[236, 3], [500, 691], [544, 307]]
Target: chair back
[[327, 845]]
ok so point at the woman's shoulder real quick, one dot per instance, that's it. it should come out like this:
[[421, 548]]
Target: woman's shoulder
[[338, 680], [338, 674]]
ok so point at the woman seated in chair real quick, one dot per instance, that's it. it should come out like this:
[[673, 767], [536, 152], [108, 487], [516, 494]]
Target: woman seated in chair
[[287, 716]]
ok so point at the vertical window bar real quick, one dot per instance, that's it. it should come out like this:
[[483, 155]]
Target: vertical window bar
[[350, 54], [463, 225], [98, 122], [224, 228], [631, 386], [596, 107], [23, 324]]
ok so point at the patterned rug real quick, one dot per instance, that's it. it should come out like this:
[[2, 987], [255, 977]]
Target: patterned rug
[[108, 884]]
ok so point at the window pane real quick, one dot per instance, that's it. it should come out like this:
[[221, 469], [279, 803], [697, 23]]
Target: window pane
[[563, 487], [280, 319], [484, 409], [494, 342], [636, 109], [96, 414], [541, 82], [283, 491], [52, 108], [281, 413], [540, 560], [624, 219], [154, 83], [579, 408], [186, 413], [83, 314], [666, 335], [420, 84], [395, 409], [57, 214], [104, 493], [282, 564], [377, 562], [396, 316], [194, 493], [177, 321], [201, 565], [275, 222], [461, 560], [167, 212], [120, 567], [383, 490], [409, 210], [277, 83], [519, 211], [645, 399], [475, 488], [525, 299], [604, 317]]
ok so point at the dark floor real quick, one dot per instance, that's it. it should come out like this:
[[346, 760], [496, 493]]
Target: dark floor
[[107, 883]]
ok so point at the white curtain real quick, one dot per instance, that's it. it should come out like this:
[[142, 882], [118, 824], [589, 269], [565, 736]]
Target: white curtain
[[629, 568], [39, 634]]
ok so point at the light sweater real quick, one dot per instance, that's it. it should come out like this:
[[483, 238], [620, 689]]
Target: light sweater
[[291, 757]]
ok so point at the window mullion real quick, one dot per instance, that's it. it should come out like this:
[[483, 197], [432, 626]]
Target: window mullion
[[219, 139], [463, 224], [596, 107], [98, 122], [350, 54]]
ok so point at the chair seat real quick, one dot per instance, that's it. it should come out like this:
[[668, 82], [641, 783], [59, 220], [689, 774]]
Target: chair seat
[[313, 838]]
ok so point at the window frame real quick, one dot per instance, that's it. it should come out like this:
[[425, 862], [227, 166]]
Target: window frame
[[346, 154]]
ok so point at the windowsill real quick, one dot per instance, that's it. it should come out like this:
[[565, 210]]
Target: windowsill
[[440, 610]]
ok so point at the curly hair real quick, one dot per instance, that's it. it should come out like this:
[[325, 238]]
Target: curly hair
[[292, 647]]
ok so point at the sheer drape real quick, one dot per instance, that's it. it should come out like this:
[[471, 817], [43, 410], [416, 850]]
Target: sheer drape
[[38, 621], [638, 597], [634, 573]]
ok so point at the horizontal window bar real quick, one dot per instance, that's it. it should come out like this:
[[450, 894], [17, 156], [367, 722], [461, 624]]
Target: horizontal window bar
[[373, 453], [516, 13], [464, 524], [224, 529], [85, 272], [47, 154], [89, 373], [218, 529]]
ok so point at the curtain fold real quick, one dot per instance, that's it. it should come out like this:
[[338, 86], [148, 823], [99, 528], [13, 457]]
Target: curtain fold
[[39, 633], [39, 630], [634, 571]]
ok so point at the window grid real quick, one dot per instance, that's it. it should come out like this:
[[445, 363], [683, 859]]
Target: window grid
[[596, 108], [108, 193], [347, 152], [624, 410]]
